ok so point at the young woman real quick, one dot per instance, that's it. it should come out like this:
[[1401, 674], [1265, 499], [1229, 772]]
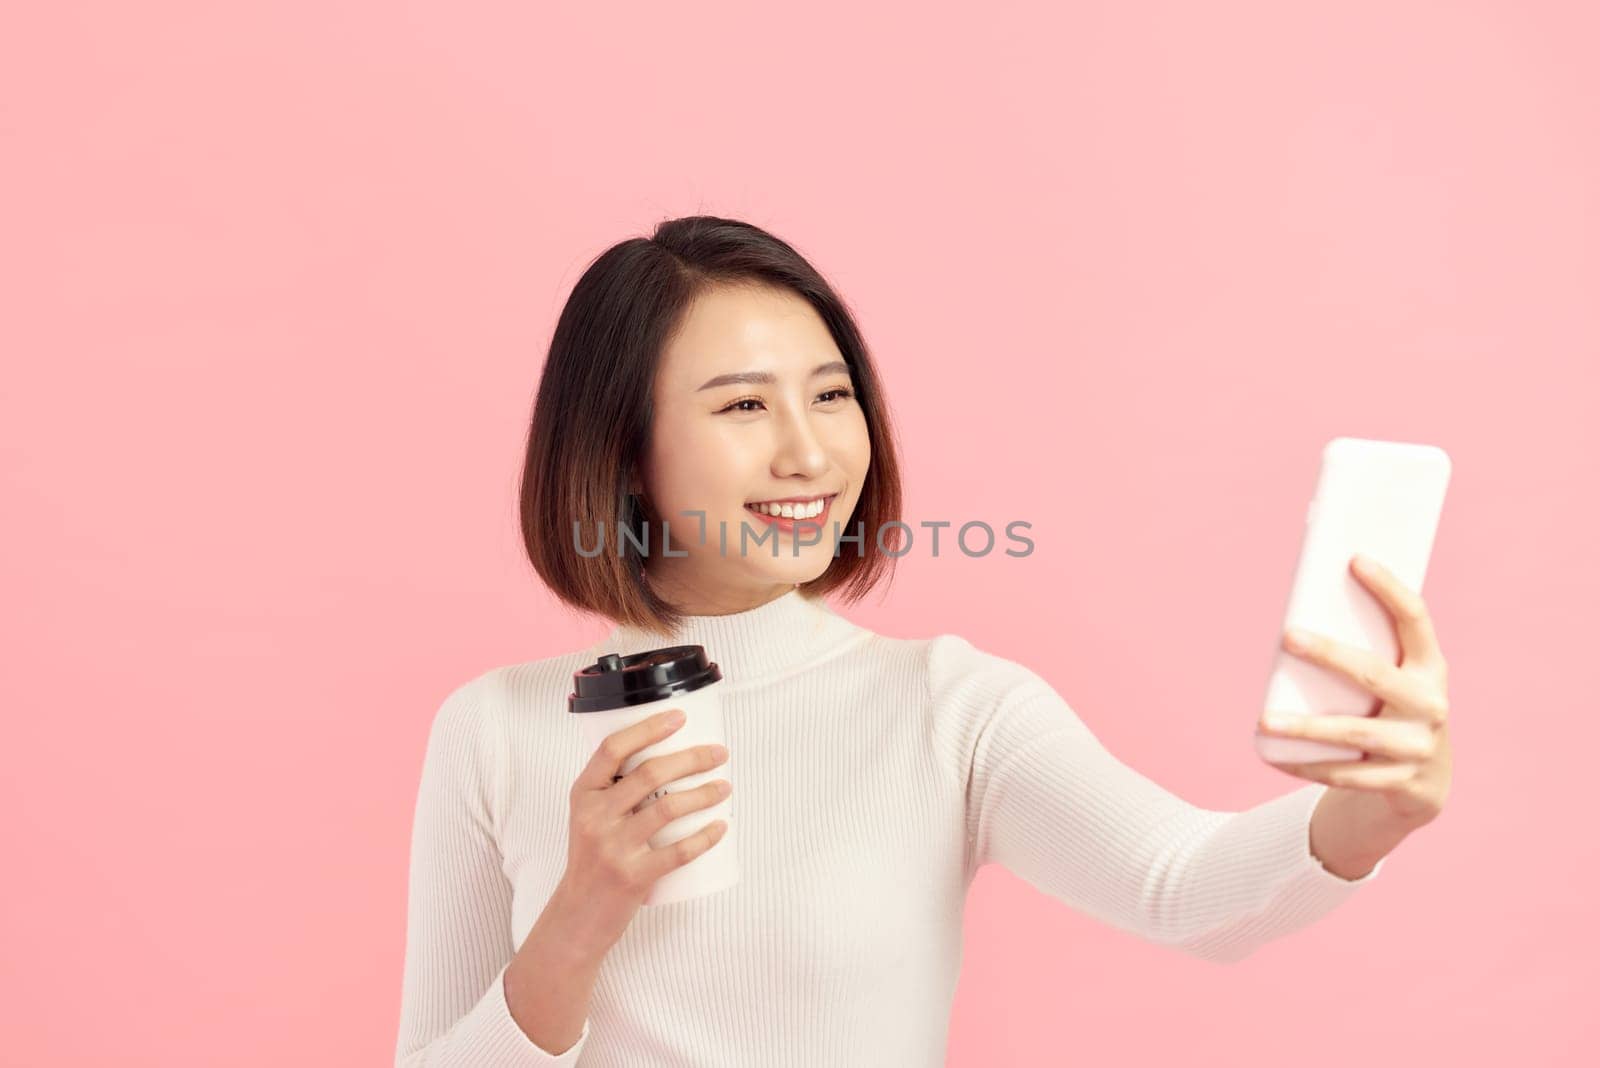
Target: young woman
[[694, 378]]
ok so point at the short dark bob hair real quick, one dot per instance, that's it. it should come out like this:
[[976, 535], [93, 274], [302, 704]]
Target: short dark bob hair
[[592, 415]]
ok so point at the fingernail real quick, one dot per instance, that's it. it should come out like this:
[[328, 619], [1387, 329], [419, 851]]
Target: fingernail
[[676, 718]]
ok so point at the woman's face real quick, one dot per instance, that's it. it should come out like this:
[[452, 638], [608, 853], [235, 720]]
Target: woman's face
[[786, 430]]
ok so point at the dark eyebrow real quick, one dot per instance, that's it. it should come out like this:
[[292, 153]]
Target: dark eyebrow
[[767, 377]]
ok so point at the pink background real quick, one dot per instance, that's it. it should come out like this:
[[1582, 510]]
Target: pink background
[[279, 279]]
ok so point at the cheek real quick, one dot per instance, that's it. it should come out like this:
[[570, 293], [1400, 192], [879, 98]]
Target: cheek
[[700, 476], [855, 448]]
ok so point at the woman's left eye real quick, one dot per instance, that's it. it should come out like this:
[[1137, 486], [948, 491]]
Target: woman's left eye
[[735, 406]]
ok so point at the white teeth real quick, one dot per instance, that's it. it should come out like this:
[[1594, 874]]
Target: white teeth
[[792, 511]]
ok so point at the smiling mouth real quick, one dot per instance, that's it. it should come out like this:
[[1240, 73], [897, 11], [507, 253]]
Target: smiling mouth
[[812, 511]]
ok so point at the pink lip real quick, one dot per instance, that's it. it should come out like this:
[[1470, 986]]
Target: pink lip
[[819, 520]]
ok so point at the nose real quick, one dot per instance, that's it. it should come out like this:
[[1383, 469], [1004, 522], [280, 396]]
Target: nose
[[799, 450]]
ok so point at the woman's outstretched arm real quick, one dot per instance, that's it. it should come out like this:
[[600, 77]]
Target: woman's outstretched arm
[[1050, 803]]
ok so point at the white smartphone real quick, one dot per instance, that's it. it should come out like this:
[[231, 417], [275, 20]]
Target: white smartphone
[[1378, 498]]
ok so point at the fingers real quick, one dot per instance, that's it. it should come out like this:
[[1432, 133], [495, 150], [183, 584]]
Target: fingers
[[1406, 691], [611, 754], [653, 774], [1387, 739], [677, 854], [663, 810], [1356, 774], [1413, 624]]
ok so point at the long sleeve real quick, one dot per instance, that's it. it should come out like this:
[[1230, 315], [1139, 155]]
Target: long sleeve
[[1050, 803], [453, 1009]]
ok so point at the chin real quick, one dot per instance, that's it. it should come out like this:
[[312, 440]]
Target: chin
[[811, 564]]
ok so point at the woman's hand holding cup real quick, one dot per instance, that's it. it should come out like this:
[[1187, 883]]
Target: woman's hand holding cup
[[611, 865]]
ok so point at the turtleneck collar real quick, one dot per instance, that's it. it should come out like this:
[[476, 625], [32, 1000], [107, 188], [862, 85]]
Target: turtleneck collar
[[772, 639]]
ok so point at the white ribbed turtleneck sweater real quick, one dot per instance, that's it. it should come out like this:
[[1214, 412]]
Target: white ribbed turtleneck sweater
[[872, 776]]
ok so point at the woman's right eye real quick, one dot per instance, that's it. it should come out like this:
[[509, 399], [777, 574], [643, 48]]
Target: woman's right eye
[[844, 393]]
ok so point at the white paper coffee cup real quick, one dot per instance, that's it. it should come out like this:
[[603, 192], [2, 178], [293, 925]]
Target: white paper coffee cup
[[617, 691]]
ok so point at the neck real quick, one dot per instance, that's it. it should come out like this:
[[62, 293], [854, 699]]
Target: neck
[[776, 637], [698, 600]]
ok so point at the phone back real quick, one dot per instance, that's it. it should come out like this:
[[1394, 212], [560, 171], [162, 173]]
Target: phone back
[[1378, 498]]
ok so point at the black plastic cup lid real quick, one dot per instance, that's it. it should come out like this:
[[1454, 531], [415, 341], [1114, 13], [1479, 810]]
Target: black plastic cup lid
[[616, 681]]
